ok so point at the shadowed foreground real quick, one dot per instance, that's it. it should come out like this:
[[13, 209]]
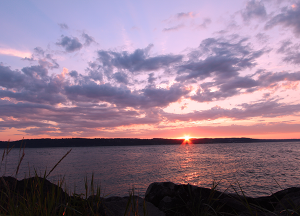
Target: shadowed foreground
[[38, 196]]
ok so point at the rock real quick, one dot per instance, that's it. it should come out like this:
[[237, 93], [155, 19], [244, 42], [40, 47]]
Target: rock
[[161, 199], [26, 187], [289, 202], [176, 199], [186, 200], [16, 193], [134, 205]]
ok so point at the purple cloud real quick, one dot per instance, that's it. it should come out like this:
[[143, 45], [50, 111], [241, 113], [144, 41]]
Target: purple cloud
[[218, 57], [254, 9], [70, 44], [289, 17]]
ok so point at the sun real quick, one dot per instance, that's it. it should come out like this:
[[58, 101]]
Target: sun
[[187, 138]]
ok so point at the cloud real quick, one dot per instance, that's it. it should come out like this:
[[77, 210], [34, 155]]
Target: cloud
[[88, 39], [118, 89], [289, 17], [290, 51], [35, 71], [138, 61], [220, 57], [241, 85], [205, 23], [174, 28], [185, 15], [262, 38], [254, 9], [14, 52], [39, 51], [96, 75], [66, 120], [48, 62], [28, 59], [151, 78], [70, 44], [231, 87], [73, 73], [269, 109], [63, 26], [121, 77], [123, 97], [31, 84]]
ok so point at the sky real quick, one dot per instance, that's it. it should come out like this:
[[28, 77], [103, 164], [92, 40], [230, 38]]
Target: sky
[[149, 69]]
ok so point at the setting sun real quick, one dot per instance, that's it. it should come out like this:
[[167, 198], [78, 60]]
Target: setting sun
[[187, 138]]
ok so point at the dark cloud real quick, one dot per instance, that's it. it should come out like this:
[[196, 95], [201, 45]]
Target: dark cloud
[[10, 78], [267, 109], [31, 84], [254, 9], [48, 62], [290, 51], [227, 89], [88, 39], [32, 71], [289, 17], [39, 51], [138, 61], [28, 59], [158, 97], [174, 28], [269, 79], [69, 119], [151, 78], [285, 46], [63, 26], [96, 75], [219, 57], [123, 97], [121, 77], [70, 44], [241, 85], [73, 73], [45, 59]]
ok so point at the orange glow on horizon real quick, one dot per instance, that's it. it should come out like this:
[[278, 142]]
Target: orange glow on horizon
[[186, 140]]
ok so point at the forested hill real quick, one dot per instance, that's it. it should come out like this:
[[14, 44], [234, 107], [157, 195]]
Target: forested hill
[[82, 142]]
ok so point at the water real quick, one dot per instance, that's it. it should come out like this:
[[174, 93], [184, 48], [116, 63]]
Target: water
[[259, 168]]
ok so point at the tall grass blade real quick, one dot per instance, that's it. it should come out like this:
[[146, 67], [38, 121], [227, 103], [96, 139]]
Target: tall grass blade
[[21, 157], [58, 162]]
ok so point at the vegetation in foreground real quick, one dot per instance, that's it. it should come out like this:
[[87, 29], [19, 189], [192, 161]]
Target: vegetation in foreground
[[37, 196]]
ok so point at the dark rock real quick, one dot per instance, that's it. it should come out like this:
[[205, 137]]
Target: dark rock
[[26, 187], [186, 200], [131, 205]]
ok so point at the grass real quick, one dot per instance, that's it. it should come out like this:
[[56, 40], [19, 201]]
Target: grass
[[32, 199]]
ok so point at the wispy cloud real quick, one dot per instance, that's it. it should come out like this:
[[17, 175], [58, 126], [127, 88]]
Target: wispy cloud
[[14, 52], [174, 28]]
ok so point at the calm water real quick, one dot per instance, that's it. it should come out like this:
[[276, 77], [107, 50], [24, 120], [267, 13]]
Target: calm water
[[257, 167]]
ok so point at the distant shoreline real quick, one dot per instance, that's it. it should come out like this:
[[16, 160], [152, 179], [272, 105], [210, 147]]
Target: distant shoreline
[[83, 142]]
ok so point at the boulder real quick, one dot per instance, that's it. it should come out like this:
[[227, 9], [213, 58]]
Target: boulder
[[183, 200], [131, 205]]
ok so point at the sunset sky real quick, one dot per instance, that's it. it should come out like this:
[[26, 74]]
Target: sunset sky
[[149, 69]]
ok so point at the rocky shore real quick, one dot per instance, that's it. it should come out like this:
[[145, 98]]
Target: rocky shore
[[161, 198]]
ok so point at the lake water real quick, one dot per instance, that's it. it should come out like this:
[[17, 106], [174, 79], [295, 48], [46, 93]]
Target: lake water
[[259, 168]]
